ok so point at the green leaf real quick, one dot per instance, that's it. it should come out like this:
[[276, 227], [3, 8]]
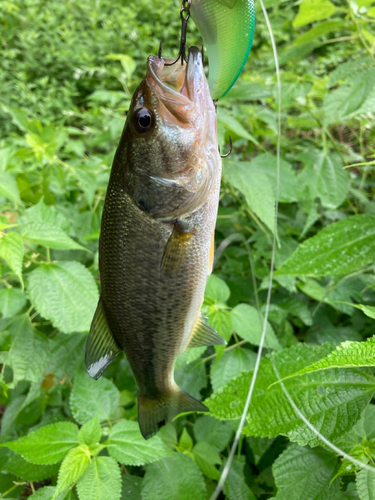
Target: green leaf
[[305, 473], [11, 250], [91, 397], [288, 181], [368, 310], [185, 443], [231, 364], [347, 355], [221, 320], [127, 445], [65, 293], [8, 187], [47, 492], [331, 400], [90, 432], [214, 432], [216, 289], [15, 464], [318, 30], [47, 445], [174, 477], [131, 487], [297, 308], [206, 457], [366, 484], [12, 301], [331, 183], [101, 480], [237, 488], [25, 340], [233, 125], [43, 225], [340, 248], [313, 10], [72, 468], [255, 185], [248, 323]]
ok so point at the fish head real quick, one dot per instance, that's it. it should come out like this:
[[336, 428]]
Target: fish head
[[170, 139]]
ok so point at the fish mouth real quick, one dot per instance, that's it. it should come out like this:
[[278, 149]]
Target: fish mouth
[[181, 87]]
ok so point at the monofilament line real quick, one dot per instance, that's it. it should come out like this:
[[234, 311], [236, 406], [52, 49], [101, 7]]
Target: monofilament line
[[326, 441], [228, 464]]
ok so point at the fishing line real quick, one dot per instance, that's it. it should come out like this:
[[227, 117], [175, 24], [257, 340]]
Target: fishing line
[[326, 441], [228, 463]]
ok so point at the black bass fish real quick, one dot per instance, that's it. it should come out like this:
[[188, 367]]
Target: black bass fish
[[156, 241]]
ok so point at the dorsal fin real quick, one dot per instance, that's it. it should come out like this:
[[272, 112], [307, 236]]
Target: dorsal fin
[[101, 347], [204, 334]]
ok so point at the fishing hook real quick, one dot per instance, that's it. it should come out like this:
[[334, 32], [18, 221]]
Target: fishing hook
[[230, 148], [185, 8]]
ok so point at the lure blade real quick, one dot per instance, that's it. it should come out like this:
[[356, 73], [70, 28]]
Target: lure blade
[[227, 29]]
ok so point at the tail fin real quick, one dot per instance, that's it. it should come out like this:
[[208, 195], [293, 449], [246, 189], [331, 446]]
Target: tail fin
[[153, 413]]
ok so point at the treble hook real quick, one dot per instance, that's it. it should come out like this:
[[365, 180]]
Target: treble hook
[[230, 148], [185, 7]]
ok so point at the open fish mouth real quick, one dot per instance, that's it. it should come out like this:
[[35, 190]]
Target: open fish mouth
[[182, 87]]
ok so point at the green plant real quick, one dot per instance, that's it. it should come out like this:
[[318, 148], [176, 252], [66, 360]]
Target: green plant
[[67, 74]]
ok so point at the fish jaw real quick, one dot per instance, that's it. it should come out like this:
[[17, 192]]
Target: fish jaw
[[172, 169]]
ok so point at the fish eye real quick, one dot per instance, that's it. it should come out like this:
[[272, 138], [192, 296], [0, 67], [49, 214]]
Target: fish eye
[[143, 120]]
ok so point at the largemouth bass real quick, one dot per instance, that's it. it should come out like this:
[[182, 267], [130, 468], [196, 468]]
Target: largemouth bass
[[156, 241]]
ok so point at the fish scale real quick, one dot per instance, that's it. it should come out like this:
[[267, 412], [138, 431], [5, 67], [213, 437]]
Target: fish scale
[[156, 240]]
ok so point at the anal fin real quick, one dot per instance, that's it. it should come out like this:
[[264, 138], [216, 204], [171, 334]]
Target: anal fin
[[101, 347], [204, 334], [175, 249]]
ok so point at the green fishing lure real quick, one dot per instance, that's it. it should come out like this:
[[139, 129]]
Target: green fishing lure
[[227, 29]]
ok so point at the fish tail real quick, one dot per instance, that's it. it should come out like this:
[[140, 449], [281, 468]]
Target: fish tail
[[155, 412]]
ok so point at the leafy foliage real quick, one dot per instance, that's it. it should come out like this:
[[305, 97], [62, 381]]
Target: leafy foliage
[[67, 76]]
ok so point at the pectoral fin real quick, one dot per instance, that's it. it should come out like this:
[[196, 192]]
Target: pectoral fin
[[101, 347], [204, 334], [175, 249]]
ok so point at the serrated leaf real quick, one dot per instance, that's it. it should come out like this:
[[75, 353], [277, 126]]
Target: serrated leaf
[[248, 323], [65, 293], [185, 443], [214, 432], [332, 181], [12, 301], [236, 488], [11, 250], [25, 340], [297, 308], [221, 320], [340, 248], [216, 289], [255, 185], [46, 493], [331, 400], [47, 445], [305, 473], [101, 480], [14, 464], [8, 187], [91, 397], [231, 364], [348, 354], [232, 124], [72, 468], [173, 477], [90, 432], [127, 445], [46, 226], [313, 10], [366, 484]]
